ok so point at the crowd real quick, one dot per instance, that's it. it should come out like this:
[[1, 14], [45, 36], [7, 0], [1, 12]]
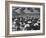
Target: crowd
[[21, 23]]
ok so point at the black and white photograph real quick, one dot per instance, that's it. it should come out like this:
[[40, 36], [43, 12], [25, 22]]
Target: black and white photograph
[[25, 18]]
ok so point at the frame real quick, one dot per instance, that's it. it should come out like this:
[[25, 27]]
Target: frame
[[7, 19]]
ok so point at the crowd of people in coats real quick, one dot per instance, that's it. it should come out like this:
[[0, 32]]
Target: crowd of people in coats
[[21, 23]]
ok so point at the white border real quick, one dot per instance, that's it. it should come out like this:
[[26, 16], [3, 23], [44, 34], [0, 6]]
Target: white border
[[24, 32]]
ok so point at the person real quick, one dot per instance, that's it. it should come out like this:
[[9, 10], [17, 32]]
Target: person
[[36, 26], [26, 27], [38, 22], [14, 25], [18, 25], [21, 25]]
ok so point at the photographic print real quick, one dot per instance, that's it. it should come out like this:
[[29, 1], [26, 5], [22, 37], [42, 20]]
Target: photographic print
[[25, 19]]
